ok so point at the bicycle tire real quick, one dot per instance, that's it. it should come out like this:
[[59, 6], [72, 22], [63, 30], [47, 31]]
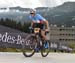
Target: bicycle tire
[[43, 49], [24, 47]]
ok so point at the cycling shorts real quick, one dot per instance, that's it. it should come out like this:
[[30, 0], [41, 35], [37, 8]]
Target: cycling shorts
[[38, 25]]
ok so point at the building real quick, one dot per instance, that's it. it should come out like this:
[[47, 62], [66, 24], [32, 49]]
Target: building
[[62, 35]]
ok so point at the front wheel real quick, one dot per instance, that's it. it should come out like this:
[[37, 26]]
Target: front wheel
[[28, 47], [45, 48]]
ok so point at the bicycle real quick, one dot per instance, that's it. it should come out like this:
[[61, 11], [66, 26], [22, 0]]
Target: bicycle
[[35, 43]]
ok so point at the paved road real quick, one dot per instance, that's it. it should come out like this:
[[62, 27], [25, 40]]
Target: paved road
[[51, 58]]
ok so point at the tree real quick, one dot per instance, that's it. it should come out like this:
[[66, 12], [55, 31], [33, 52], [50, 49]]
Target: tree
[[26, 27], [2, 21], [19, 26]]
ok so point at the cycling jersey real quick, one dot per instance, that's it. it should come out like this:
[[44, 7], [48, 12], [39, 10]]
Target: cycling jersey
[[37, 18]]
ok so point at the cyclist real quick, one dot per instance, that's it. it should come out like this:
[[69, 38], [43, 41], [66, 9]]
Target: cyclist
[[39, 21]]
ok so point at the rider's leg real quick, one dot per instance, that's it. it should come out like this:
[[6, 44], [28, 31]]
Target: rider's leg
[[44, 38], [43, 35]]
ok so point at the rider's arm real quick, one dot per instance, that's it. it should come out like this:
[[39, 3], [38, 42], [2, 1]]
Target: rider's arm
[[31, 21], [47, 24], [32, 24]]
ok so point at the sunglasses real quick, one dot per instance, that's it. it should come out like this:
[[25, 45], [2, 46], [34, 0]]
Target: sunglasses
[[31, 13]]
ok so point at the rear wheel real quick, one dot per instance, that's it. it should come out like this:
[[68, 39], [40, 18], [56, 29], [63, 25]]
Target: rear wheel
[[28, 47], [45, 48]]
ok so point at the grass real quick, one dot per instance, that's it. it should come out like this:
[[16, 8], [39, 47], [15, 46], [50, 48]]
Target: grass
[[20, 50], [9, 50]]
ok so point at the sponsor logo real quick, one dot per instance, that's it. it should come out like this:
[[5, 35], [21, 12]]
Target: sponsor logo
[[6, 37]]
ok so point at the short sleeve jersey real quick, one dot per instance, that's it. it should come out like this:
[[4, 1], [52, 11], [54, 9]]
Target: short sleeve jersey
[[37, 18]]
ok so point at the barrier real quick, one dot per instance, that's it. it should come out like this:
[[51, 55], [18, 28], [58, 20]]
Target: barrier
[[12, 39]]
